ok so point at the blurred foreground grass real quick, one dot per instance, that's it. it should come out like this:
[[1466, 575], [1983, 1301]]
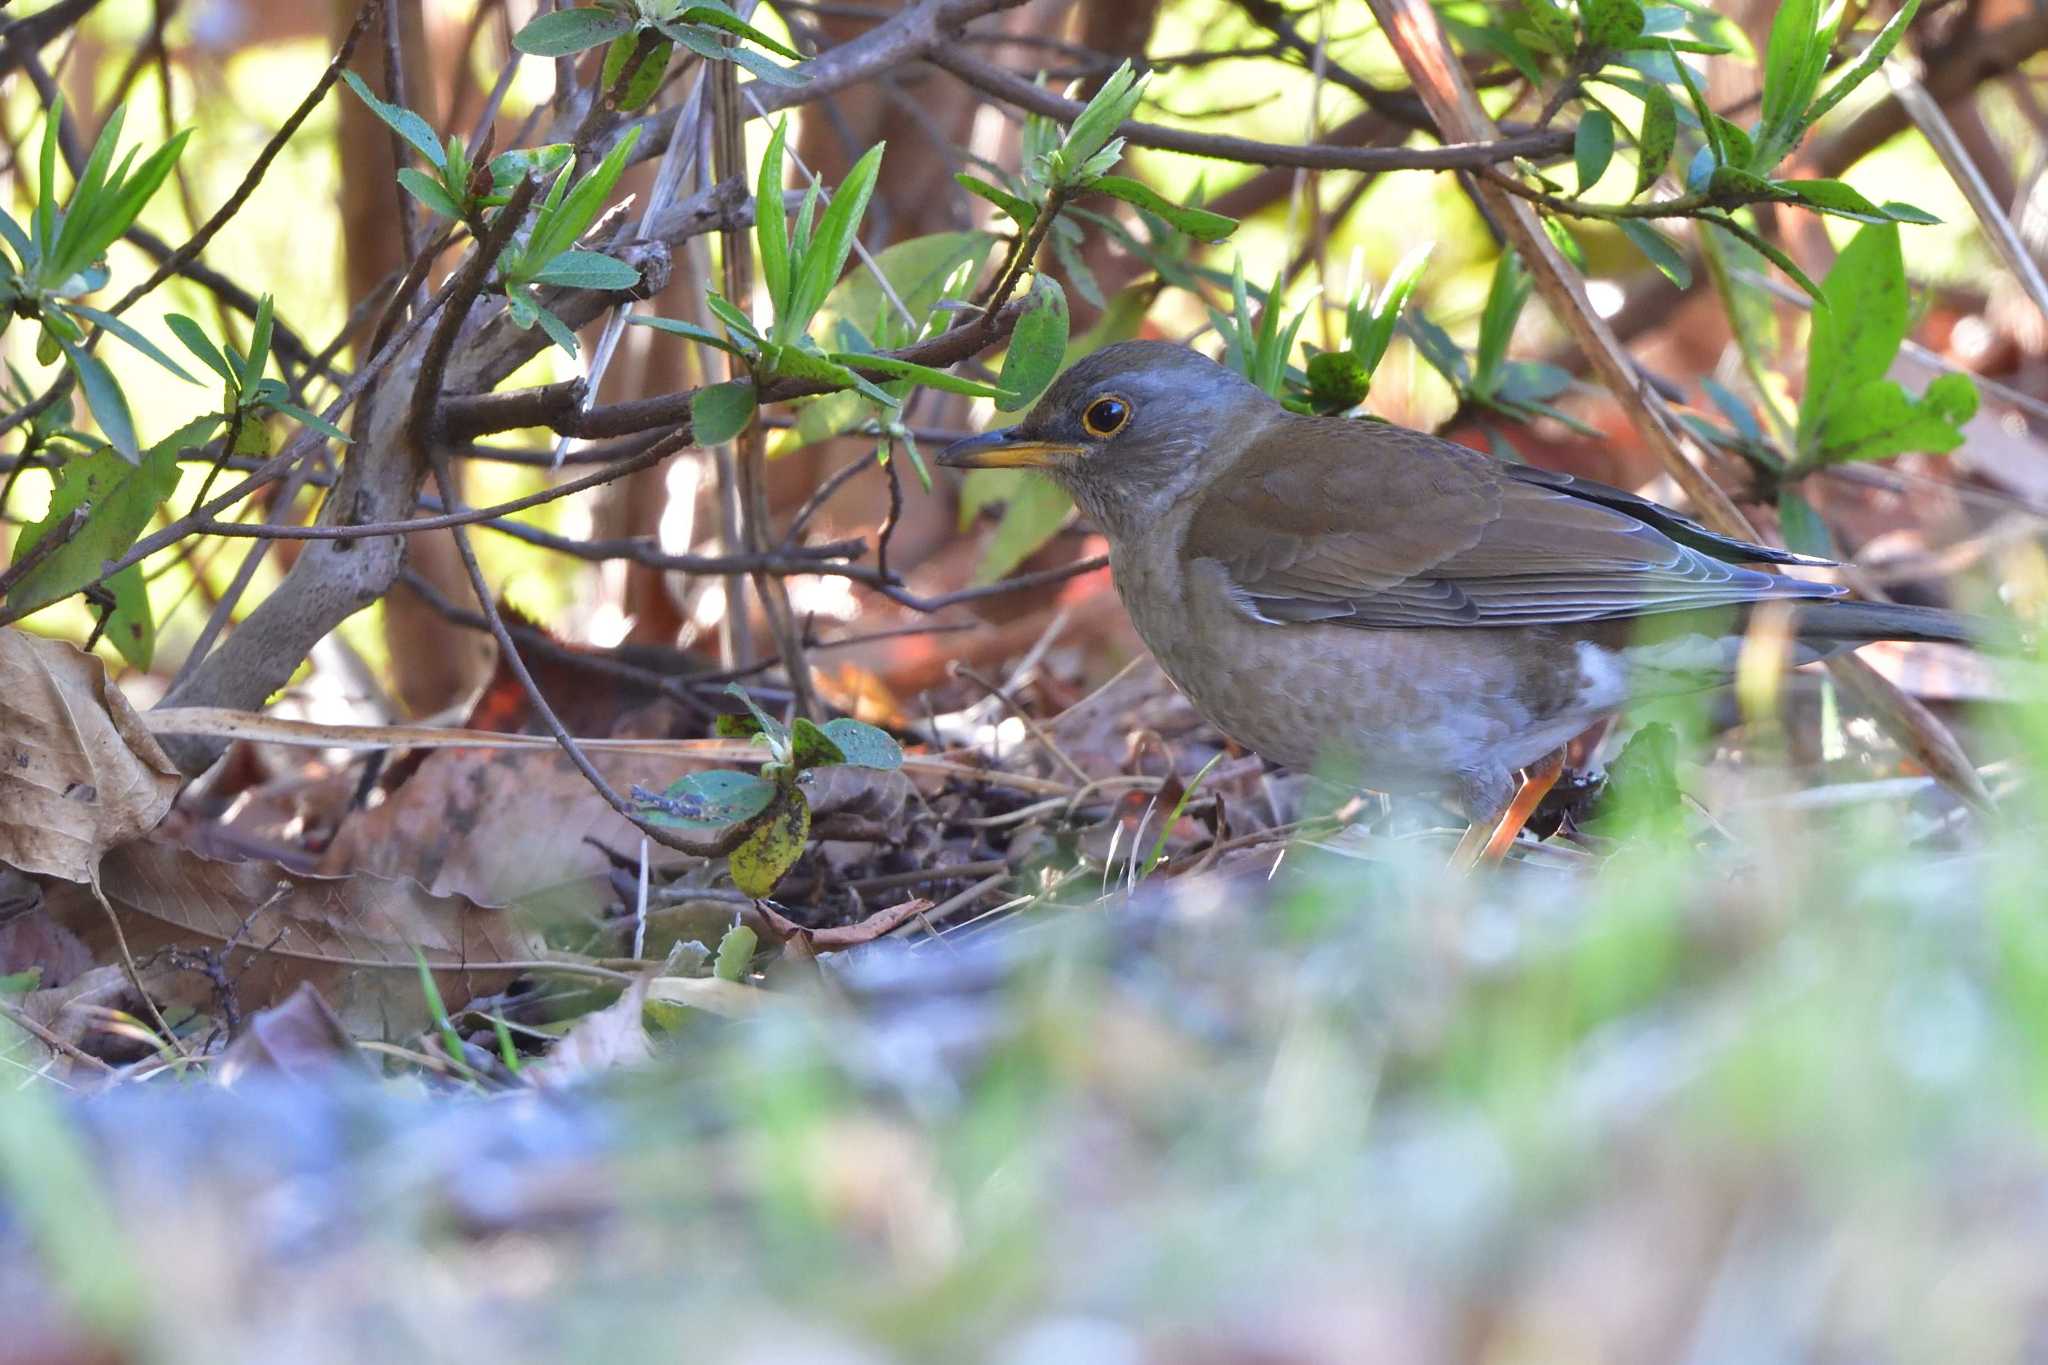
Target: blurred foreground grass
[[1782, 1100]]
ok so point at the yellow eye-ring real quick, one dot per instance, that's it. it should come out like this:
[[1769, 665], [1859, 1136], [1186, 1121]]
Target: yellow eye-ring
[[1105, 417]]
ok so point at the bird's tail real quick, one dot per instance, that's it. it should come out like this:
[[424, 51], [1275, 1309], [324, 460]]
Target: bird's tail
[[1843, 623]]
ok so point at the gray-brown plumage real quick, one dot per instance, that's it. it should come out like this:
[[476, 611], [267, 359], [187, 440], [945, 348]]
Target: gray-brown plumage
[[1331, 591]]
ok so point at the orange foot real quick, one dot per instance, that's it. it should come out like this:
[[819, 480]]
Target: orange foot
[[1484, 845]]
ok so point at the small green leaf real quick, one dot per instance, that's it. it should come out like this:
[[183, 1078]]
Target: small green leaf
[[1659, 134], [1593, 147], [708, 800], [735, 725], [720, 412], [130, 626], [864, 745], [924, 375], [647, 74], [1801, 525], [776, 843], [588, 270], [199, 344], [1022, 211], [401, 121], [1842, 200], [558, 331], [1872, 57], [1661, 251], [1611, 23], [735, 953], [311, 419], [719, 16], [771, 227], [429, 191], [677, 327], [773, 730], [1038, 346], [103, 397], [1092, 129], [1198, 223], [566, 31], [810, 747]]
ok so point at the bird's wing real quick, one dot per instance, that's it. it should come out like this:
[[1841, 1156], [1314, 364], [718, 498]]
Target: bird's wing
[[1380, 527]]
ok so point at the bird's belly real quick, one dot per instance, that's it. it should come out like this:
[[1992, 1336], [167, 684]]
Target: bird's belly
[[1395, 710]]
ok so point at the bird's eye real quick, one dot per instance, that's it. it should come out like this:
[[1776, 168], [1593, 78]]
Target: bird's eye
[[1105, 417]]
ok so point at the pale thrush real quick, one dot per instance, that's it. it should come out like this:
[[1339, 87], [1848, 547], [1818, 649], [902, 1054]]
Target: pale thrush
[[1330, 591]]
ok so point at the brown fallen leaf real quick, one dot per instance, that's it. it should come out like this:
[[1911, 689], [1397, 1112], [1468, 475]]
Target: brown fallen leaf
[[842, 936], [269, 929], [301, 1039], [78, 772]]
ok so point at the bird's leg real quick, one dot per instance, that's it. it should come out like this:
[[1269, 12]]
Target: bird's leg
[[1489, 843]]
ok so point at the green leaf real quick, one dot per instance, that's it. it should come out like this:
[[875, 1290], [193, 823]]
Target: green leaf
[[773, 730], [199, 344], [1879, 420], [771, 227], [1021, 210], [647, 74], [103, 396], [924, 375], [1200, 224], [825, 258], [1593, 147], [764, 67], [1337, 381], [1873, 57], [1505, 298], [718, 16], [864, 745], [1833, 196], [720, 412], [1038, 346], [797, 362], [1369, 331], [252, 364], [566, 31], [311, 419], [401, 121], [708, 800], [588, 270], [1802, 527], [735, 953], [1855, 337], [123, 496], [429, 191], [776, 843], [1787, 62], [1611, 23], [567, 217], [1105, 113], [810, 747], [735, 725], [677, 327], [1661, 251], [130, 626], [558, 331]]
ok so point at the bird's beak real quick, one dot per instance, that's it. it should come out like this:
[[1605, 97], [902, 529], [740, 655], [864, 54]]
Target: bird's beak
[[1004, 449]]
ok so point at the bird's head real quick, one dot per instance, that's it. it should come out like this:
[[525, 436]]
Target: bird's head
[[1129, 430]]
